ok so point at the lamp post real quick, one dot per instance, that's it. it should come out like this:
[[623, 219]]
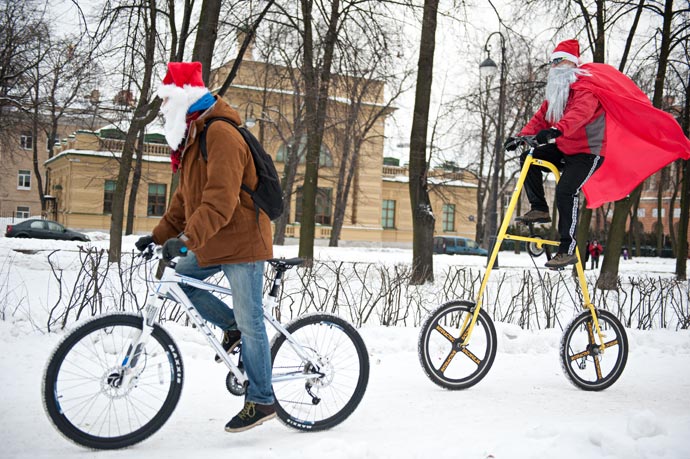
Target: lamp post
[[487, 68]]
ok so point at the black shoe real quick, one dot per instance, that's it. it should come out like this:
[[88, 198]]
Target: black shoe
[[251, 415], [561, 260], [231, 340], [535, 216]]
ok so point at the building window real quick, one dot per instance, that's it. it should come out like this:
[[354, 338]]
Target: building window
[[388, 214], [24, 180], [23, 212], [26, 141], [655, 212], [324, 204], [56, 142], [676, 212], [156, 204], [640, 212], [325, 157], [108, 192], [448, 217]]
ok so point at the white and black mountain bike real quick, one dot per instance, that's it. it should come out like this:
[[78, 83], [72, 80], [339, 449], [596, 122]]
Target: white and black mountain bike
[[116, 379]]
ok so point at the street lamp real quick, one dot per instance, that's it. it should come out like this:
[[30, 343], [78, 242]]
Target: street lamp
[[487, 68]]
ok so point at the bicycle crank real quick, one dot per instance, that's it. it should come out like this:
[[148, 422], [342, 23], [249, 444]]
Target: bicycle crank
[[234, 386]]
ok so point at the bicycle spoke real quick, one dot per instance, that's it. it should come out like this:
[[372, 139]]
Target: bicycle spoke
[[444, 333], [590, 368], [439, 349], [323, 398], [96, 402], [471, 356]]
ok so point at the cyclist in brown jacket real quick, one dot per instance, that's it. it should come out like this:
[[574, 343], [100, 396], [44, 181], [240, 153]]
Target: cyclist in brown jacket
[[215, 220]]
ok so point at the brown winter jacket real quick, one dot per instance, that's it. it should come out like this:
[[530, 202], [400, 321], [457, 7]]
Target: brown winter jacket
[[208, 205]]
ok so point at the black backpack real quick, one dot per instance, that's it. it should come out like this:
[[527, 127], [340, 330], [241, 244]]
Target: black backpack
[[268, 195]]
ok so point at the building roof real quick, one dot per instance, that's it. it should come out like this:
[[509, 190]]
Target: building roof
[[105, 154]]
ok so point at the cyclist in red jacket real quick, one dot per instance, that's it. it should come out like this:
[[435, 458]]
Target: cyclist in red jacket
[[575, 120]]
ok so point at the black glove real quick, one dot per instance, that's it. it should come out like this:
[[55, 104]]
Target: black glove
[[545, 135], [143, 242], [174, 247], [511, 143]]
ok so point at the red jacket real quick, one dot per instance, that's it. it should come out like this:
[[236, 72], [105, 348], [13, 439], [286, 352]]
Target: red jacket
[[595, 250], [583, 124]]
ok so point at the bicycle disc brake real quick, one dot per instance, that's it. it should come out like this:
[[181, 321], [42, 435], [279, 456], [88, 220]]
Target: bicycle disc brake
[[234, 386]]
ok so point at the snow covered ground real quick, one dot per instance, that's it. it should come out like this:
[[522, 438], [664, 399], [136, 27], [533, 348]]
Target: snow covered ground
[[524, 408]]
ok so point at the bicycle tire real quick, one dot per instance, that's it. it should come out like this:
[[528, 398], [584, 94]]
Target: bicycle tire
[[95, 411], [439, 345], [344, 360], [579, 346]]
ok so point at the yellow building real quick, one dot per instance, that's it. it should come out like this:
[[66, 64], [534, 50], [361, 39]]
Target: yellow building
[[84, 171]]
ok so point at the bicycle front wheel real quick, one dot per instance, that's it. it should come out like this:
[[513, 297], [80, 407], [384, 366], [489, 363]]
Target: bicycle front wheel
[[93, 402], [445, 360], [309, 398], [584, 362]]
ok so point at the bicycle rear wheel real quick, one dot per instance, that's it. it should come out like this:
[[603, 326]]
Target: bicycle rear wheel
[[92, 403], [582, 359], [445, 361], [330, 393]]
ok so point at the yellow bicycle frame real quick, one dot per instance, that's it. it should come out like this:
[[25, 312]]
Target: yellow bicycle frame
[[502, 235]]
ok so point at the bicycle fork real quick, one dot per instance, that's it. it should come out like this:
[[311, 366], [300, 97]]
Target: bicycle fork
[[126, 375]]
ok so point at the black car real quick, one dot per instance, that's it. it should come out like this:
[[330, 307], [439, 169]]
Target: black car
[[44, 229]]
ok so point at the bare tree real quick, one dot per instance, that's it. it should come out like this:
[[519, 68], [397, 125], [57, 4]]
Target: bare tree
[[670, 36], [22, 25], [317, 79], [422, 214], [680, 67], [366, 65], [142, 20]]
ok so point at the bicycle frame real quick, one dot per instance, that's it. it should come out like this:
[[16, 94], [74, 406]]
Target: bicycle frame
[[503, 235], [168, 287]]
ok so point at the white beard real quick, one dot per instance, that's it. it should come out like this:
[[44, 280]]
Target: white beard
[[558, 89], [175, 110]]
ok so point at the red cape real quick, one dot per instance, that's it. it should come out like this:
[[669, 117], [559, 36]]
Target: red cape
[[640, 139]]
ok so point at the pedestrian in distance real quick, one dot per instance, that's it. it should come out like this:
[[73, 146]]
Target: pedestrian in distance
[[595, 250]]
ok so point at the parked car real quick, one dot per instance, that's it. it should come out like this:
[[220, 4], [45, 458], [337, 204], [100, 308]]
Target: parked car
[[453, 245], [44, 229]]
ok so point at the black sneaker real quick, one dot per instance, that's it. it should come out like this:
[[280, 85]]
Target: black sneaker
[[535, 216], [231, 340], [561, 260], [251, 415]]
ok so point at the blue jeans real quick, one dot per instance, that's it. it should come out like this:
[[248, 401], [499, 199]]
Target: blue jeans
[[246, 283]]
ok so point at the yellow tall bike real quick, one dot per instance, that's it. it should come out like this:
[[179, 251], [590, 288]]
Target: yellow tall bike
[[457, 342]]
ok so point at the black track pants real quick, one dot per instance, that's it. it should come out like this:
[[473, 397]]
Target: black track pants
[[575, 171]]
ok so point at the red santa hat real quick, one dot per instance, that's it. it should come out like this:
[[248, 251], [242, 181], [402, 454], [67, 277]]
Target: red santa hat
[[182, 86], [183, 78], [568, 50]]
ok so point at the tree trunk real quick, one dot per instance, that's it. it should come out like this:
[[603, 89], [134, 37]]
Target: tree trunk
[[317, 82], [609, 268], [136, 179], [422, 214], [144, 113], [663, 177], [206, 36], [608, 276], [672, 206], [682, 253]]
